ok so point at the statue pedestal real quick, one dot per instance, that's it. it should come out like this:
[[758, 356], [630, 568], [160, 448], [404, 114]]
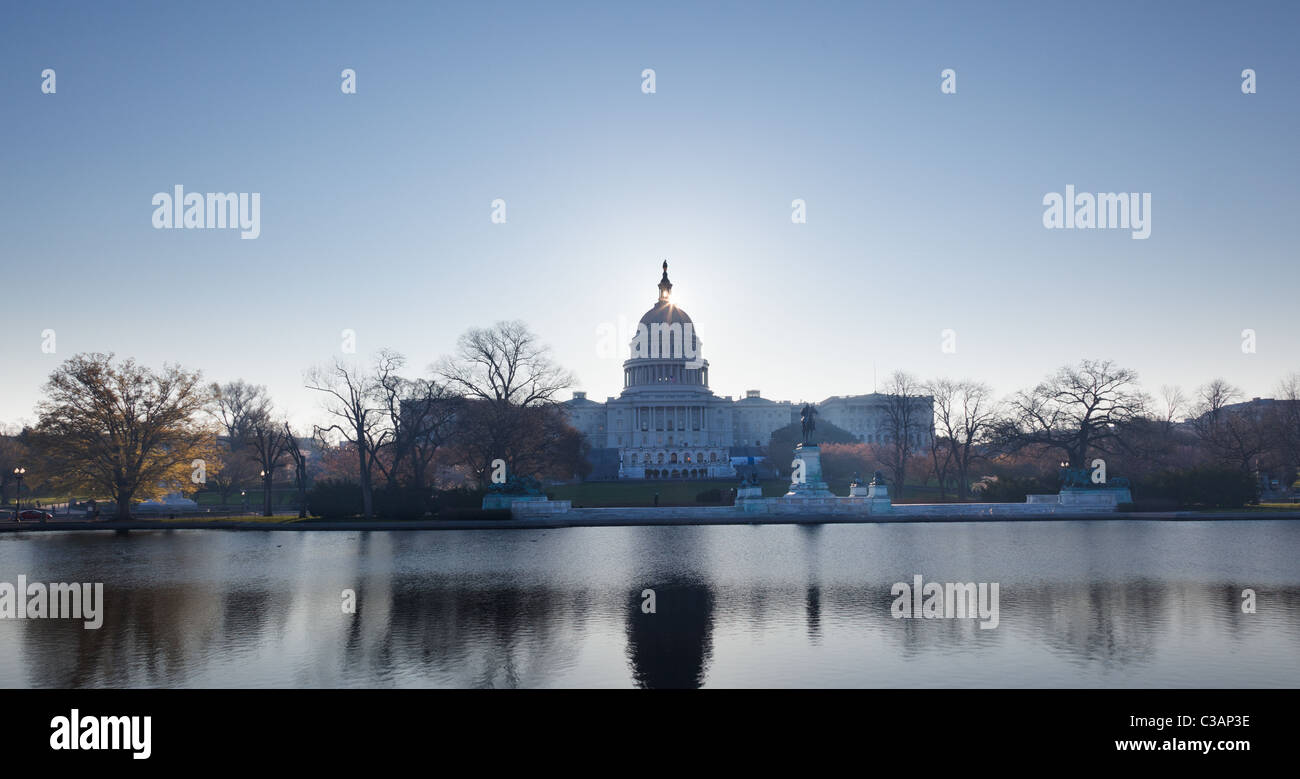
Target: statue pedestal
[[812, 485], [497, 500], [1095, 496], [859, 491]]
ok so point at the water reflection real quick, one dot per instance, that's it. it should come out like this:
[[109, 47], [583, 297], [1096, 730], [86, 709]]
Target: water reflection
[[1105, 604], [671, 647]]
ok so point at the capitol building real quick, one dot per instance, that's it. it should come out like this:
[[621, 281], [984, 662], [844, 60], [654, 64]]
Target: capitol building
[[668, 424]]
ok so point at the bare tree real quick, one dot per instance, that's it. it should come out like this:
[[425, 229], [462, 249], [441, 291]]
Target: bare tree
[[504, 364], [1213, 397], [299, 459], [356, 400], [1076, 410], [1173, 405], [533, 440], [941, 462], [964, 416], [268, 446], [239, 407], [1288, 394], [1235, 434], [387, 388], [422, 420], [904, 425], [507, 379]]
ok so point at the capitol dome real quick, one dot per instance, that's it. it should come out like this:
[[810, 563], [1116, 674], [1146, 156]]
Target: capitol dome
[[665, 313], [665, 352]]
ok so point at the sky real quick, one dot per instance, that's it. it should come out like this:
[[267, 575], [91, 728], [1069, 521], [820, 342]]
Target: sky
[[924, 210]]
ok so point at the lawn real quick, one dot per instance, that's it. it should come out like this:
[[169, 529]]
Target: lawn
[[280, 498], [641, 493], [1263, 508]]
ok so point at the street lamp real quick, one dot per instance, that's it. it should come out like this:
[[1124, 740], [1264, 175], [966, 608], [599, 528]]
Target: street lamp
[[18, 494]]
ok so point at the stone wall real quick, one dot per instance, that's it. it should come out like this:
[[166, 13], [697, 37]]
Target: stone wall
[[866, 509]]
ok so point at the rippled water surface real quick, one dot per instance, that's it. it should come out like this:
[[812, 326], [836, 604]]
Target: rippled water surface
[[1082, 604]]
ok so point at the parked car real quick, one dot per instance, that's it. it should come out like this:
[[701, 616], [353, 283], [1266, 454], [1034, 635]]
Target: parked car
[[32, 514]]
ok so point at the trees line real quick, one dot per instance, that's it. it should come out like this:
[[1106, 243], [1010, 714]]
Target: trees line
[[112, 427], [1085, 411]]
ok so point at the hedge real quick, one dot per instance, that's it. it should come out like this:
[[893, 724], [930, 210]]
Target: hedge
[[1196, 488]]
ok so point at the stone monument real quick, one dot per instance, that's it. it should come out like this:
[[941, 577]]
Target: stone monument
[[878, 488], [1079, 489], [516, 489], [806, 470]]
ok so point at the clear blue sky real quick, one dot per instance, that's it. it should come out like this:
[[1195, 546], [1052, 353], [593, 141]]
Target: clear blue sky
[[924, 209]]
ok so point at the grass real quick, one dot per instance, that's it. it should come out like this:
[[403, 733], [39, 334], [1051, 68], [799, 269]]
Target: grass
[[642, 493], [29, 501], [1262, 508]]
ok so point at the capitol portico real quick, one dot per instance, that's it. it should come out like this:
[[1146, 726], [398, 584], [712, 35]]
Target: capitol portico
[[667, 423]]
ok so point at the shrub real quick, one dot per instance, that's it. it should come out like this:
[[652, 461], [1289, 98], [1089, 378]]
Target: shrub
[[1013, 489], [401, 502], [459, 498], [1196, 488], [334, 499]]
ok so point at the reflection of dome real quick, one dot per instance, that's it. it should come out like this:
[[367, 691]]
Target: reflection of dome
[[671, 648]]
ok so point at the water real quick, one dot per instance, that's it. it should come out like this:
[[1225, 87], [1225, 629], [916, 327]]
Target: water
[[1082, 604]]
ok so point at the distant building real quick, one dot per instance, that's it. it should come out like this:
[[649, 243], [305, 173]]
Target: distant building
[[867, 417], [668, 424]]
